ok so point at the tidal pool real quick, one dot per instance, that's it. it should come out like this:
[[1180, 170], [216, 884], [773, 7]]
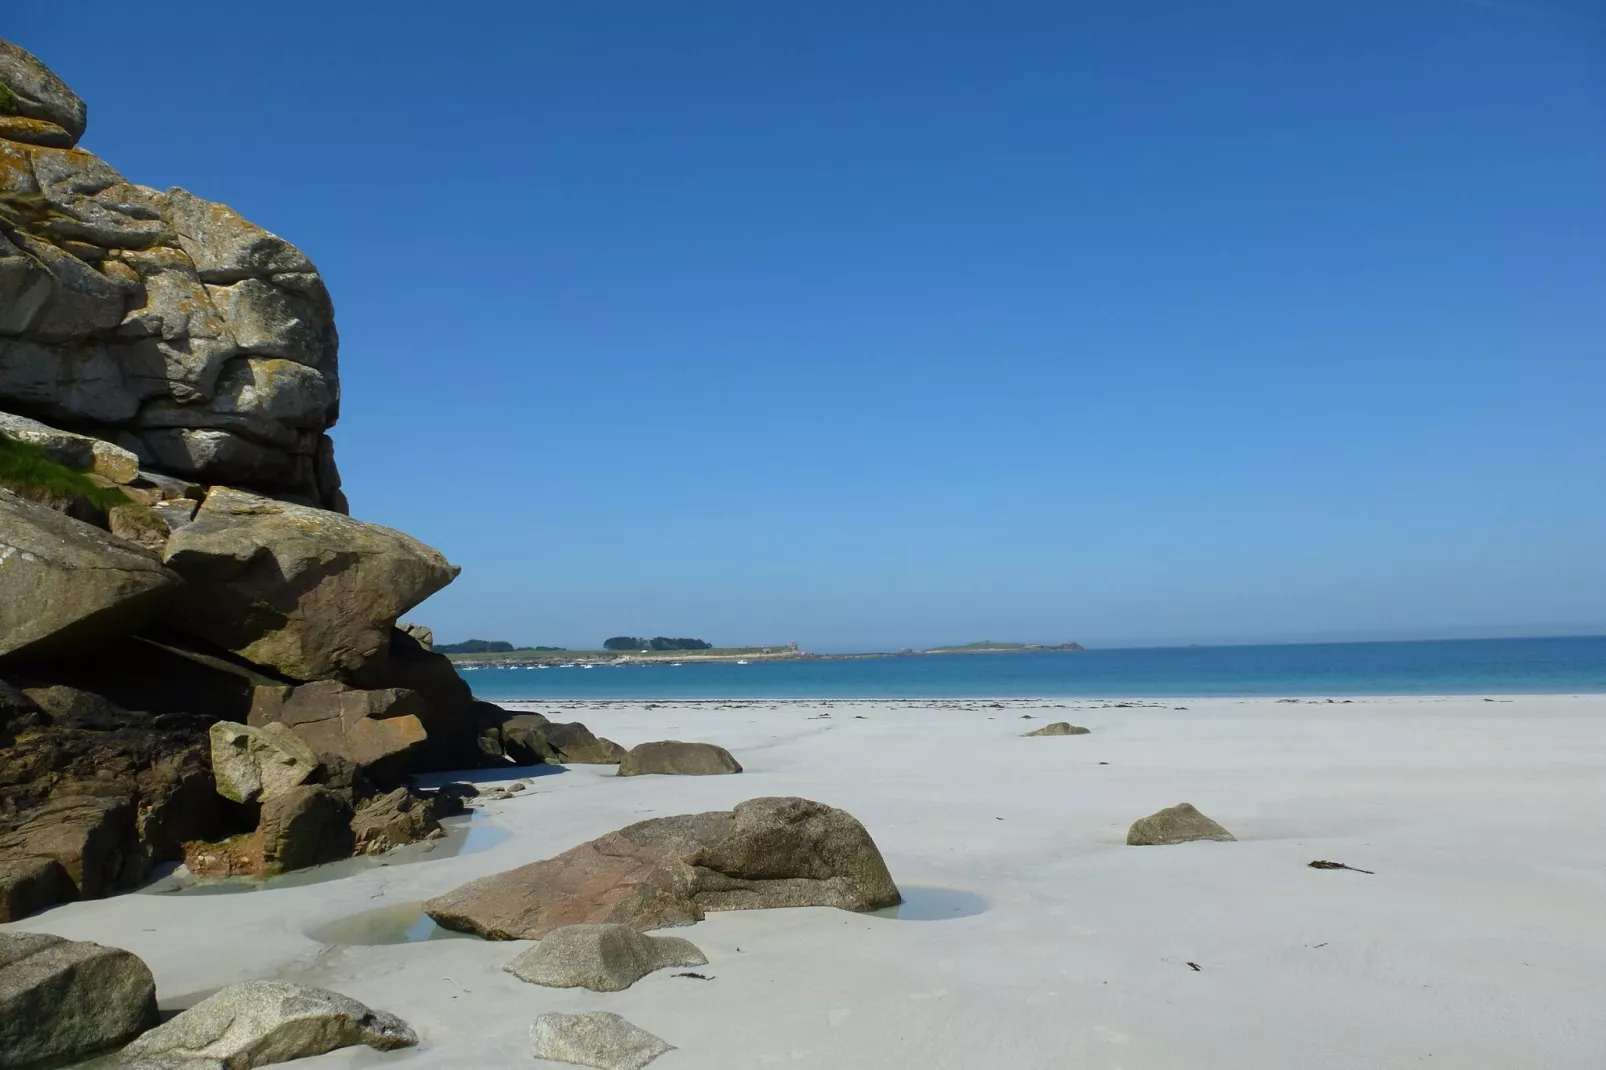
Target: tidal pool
[[924, 903]]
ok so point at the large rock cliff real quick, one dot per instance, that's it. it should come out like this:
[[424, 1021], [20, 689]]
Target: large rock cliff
[[182, 591], [162, 322]]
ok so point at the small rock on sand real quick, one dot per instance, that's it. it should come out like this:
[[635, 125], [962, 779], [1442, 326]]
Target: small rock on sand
[[1059, 728], [604, 958], [1175, 824], [595, 1038]]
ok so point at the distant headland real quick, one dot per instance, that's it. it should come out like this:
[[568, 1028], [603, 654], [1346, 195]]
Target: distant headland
[[622, 650]]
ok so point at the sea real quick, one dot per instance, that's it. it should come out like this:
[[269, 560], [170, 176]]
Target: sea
[[1571, 665]]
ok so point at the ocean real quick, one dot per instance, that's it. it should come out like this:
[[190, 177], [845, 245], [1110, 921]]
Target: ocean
[[1450, 667]]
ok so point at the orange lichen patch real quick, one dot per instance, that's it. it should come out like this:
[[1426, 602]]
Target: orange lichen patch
[[16, 170], [34, 131], [237, 856]]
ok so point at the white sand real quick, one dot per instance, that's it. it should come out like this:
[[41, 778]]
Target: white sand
[[1479, 943]]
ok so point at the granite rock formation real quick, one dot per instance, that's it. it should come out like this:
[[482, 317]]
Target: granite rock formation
[[769, 852], [161, 322], [176, 552]]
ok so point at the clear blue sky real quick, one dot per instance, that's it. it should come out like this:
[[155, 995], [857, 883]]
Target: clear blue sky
[[871, 324]]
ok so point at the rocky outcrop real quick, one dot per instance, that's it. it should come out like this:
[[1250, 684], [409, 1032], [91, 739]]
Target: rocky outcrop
[[261, 1022], [308, 593], [64, 584], [82, 452], [29, 883], [770, 852], [257, 764], [672, 757], [603, 958], [530, 739], [1175, 824], [176, 552], [200, 342], [90, 837], [377, 731], [34, 93], [305, 826], [64, 1000], [393, 820], [594, 1038], [1059, 728], [449, 708], [101, 792]]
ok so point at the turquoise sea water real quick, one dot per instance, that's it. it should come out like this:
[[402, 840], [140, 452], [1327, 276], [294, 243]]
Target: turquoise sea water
[[1461, 666]]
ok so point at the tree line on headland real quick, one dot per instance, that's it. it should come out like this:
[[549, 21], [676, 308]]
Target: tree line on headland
[[617, 643], [630, 642]]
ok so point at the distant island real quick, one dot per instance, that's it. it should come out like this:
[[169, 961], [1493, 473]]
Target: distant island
[[990, 646], [632, 650]]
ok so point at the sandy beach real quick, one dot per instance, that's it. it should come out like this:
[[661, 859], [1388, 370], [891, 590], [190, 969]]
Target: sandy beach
[[1479, 941]]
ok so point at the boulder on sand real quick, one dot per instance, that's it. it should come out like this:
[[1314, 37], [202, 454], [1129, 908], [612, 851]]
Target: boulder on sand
[[1175, 824], [594, 1038], [1059, 728], [672, 757], [252, 764], [603, 958], [573, 744], [64, 583], [310, 593], [65, 1000], [260, 1022], [769, 852]]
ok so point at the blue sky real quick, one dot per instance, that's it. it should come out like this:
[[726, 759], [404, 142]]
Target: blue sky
[[879, 324]]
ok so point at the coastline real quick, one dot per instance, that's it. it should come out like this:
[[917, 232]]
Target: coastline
[[1080, 947], [529, 659]]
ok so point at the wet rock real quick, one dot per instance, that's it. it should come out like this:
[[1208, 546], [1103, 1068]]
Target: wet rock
[[603, 958], [261, 1022], [65, 1000], [252, 764], [594, 1038], [80, 583], [769, 852], [672, 757], [1175, 824], [1059, 728], [310, 593], [391, 820]]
